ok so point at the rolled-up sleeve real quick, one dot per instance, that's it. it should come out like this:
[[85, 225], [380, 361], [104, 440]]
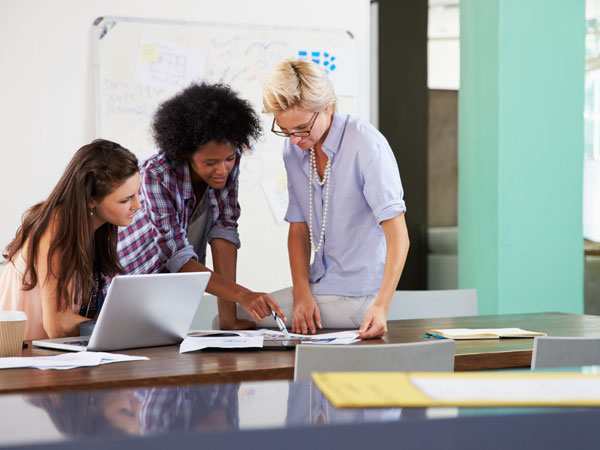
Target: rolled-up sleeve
[[382, 185], [170, 237], [229, 234]]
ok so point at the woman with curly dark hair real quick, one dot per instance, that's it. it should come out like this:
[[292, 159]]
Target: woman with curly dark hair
[[68, 243], [190, 194]]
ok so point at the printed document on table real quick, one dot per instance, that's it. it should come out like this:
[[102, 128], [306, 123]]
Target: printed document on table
[[66, 360], [336, 338], [193, 343]]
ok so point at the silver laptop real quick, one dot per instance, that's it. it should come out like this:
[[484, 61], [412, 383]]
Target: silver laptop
[[141, 311]]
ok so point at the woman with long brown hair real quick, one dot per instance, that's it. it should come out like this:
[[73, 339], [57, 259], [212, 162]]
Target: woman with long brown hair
[[67, 244]]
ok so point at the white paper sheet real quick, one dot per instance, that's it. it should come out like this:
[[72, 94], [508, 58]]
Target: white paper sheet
[[66, 360], [508, 389], [337, 338], [193, 343]]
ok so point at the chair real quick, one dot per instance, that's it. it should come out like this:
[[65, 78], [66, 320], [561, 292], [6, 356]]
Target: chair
[[435, 356], [431, 304], [207, 311], [551, 352]]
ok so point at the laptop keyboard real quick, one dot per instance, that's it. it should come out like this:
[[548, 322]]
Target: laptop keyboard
[[80, 343]]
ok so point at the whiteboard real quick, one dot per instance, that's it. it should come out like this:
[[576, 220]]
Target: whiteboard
[[139, 63]]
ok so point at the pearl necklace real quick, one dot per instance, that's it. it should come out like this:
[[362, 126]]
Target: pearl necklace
[[325, 182]]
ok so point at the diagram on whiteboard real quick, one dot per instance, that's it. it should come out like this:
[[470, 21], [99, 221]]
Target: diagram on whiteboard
[[165, 65], [339, 63]]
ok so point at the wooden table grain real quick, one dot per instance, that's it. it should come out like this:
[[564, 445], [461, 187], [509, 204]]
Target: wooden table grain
[[167, 367]]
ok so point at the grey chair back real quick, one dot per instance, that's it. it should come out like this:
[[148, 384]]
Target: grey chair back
[[431, 304], [207, 314], [434, 356], [550, 351]]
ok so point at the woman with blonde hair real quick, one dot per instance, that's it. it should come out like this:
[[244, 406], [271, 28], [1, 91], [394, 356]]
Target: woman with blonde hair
[[345, 204], [67, 244]]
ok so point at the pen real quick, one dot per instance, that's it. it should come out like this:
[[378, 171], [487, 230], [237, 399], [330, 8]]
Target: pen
[[280, 324], [428, 335]]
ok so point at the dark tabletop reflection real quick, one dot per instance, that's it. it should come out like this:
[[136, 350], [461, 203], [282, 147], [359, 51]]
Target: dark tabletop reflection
[[159, 410], [142, 411], [308, 406]]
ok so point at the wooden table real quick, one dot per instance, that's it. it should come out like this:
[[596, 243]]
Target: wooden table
[[591, 248], [167, 367]]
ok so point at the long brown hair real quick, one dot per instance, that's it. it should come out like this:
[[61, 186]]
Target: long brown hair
[[95, 171]]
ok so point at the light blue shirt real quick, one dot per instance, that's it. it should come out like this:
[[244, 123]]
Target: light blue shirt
[[365, 189]]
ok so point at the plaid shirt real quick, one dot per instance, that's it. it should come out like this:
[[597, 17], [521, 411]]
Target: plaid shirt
[[188, 407], [156, 240]]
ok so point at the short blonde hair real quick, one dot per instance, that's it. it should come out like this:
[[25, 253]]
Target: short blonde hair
[[297, 84]]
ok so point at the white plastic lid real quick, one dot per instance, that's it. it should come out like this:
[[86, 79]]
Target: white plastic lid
[[12, 316]]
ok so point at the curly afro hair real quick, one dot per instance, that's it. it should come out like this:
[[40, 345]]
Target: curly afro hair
[[200, 114]]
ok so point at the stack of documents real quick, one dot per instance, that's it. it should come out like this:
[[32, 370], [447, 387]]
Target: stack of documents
[[482, 333], [397, 389], [66, 360], [200, 339]]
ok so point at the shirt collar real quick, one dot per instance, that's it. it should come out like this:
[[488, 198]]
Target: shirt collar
[[336, 131], [334, 136]]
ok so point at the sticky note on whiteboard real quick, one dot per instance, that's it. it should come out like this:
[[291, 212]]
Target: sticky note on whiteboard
[[149, 53]]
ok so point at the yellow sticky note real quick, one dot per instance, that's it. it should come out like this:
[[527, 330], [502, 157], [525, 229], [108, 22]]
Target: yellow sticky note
[[149, 53]]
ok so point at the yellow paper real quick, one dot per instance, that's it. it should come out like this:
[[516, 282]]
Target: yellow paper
[[398, 389], [374, 389], [149, 53]]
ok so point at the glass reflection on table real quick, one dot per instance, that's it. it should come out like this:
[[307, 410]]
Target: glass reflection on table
[[141, 411], [224, 407], [308, 406]]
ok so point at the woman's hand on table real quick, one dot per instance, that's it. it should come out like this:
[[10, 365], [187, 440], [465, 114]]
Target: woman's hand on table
[[375, 324], [305, 316]]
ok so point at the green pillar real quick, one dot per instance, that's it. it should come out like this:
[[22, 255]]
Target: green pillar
[[520, 144]]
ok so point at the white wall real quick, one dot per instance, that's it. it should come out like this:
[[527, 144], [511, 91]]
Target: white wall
[[46, 79]]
